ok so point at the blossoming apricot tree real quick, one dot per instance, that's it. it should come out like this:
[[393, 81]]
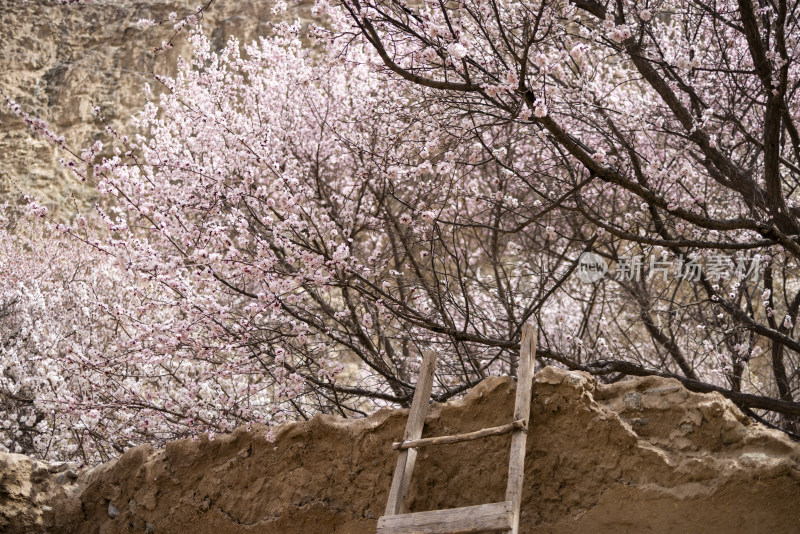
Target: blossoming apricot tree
[[672, 129], [287, 229]]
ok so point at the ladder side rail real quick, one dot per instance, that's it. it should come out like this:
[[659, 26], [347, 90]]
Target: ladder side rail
[[401, 480], [522, 410]]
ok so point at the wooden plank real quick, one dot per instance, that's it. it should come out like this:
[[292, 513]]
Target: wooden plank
[[522, 410], [520, 424], [416, 420], [482, 518]]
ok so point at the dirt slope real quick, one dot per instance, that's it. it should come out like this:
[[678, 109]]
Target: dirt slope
[[643, 455]]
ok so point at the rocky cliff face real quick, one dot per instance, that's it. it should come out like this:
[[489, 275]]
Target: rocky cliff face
[[643, 455], [59, 62]]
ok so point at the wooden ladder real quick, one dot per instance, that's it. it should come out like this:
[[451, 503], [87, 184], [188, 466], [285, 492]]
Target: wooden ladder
[[495, 517]]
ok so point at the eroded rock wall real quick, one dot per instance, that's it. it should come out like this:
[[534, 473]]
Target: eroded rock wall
[[643, 455], [58, 62]]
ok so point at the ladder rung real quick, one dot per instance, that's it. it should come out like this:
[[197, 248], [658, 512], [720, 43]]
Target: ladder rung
[[519, 424], [484, 517]]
